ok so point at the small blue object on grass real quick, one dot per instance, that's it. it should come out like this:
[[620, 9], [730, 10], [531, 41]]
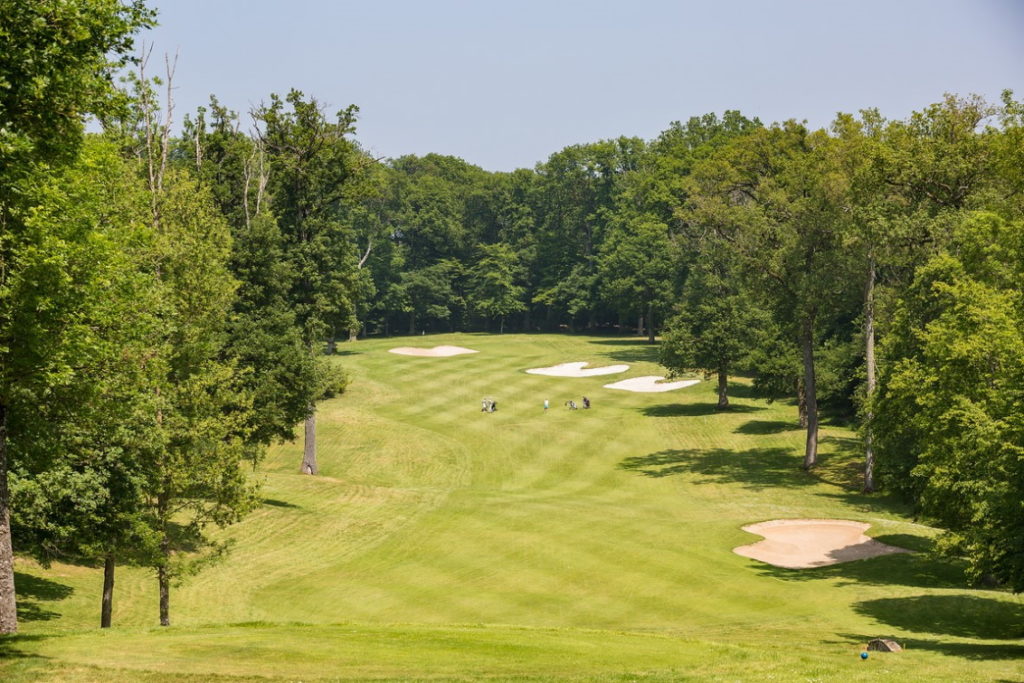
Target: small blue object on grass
[[863, 655]]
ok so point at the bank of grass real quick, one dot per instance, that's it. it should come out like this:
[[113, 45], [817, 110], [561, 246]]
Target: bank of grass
[[444, 542]]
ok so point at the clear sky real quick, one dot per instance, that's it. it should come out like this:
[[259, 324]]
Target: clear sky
[[505, 84]]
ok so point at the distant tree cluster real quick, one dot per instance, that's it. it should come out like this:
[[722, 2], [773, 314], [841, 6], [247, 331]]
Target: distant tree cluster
[[165, 300]]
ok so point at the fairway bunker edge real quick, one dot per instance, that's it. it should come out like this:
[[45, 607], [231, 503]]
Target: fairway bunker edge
[[810, 543]]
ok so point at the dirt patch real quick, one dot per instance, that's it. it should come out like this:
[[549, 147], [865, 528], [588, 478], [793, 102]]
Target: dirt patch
[[650, 383], [807, 543], [576, 370], [435, 352]]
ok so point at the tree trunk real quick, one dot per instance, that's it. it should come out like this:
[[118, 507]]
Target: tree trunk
[[107, 608], [650, 323], [801, 404], [309, 446], [332, 343], [723, 389], [807, 342], [412, 323], [869, 361], [501, 326], [163, 578], [8, 606], [640, 325], [353, 333]]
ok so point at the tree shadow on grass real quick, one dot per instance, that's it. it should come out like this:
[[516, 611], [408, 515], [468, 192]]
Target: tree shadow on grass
[[765, 427], [962, 616], [755, 469], [273, 502], [635, 350], [978, 651], [917, 569], [695, 409], [33, 590], [9, 649]]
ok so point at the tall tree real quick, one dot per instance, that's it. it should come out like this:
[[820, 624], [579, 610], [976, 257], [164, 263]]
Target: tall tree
[[899, 177], [77, 485], [58, 57], [950, 435], [773, 195], [717, 321], [635, 268], [496, 292], [310, 161], [576, 192], [202, 408], [283, 378]]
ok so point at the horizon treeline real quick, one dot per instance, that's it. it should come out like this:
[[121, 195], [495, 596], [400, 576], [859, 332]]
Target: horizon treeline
[[166, 300]]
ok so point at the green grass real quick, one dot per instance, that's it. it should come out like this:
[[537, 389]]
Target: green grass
[[441, 542]]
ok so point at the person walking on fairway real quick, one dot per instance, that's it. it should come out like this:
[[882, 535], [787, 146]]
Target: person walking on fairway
[[545, 405]]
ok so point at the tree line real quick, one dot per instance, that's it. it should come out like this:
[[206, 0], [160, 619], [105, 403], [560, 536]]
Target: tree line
[[166, 299]]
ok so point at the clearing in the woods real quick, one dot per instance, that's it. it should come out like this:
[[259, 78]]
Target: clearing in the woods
[[441, 542]]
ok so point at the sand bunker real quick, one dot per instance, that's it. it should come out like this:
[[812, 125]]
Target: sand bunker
[[576, 370], [650, 383], [806, 543], [436, 352]]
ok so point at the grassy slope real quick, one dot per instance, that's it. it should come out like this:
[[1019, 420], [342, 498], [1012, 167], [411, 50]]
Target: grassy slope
[[444, 542]]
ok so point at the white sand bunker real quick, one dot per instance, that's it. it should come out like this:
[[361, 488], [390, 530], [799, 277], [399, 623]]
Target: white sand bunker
[[650, 383], [807, 543], [576, 370], [436, 352]]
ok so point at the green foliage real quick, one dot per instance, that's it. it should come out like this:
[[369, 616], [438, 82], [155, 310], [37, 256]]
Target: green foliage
[[949, 403], [310, 161], [55, 68], [264, 336], [635, 271], [57, 62], [332, 379], [428, 292], [715, 328], [77, 482], [202, 406], [495, 292]]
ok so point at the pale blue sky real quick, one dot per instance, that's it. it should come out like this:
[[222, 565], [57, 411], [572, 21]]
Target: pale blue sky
[[503, 85]]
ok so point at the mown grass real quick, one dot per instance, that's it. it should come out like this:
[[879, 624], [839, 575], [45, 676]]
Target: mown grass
[[441, 542]]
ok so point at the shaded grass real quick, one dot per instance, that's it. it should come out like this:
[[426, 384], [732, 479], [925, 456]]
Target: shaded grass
[[963, 616], [35, 593], [766, 427], [694, 409]]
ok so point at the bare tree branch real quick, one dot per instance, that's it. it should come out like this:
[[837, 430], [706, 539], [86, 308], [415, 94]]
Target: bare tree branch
[[369, 247]]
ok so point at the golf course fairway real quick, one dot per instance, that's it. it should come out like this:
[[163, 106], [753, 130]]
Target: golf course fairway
[[442, 542]]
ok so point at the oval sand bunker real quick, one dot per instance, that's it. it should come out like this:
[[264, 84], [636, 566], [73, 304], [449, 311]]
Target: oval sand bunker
[[807, 543], [576, 370], [436, 352], [650, 383]]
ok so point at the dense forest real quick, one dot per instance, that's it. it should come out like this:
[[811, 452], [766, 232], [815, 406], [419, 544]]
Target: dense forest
[[167, 298]]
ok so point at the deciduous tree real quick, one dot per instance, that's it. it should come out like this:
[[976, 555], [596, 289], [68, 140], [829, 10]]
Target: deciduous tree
[[56, 68]]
